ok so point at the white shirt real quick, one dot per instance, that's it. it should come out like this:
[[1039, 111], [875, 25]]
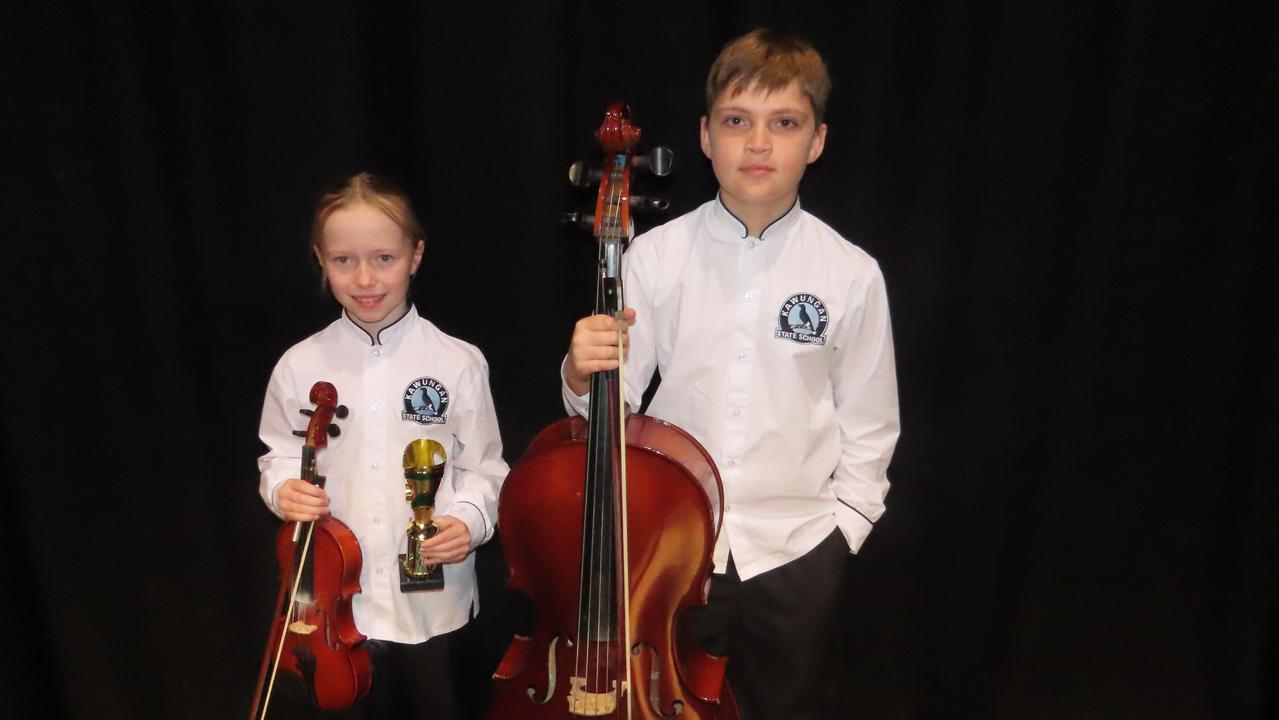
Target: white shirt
[[411, 382], [776, 353]]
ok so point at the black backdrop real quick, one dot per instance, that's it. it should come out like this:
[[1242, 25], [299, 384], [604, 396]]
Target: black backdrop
[[1072, 207]]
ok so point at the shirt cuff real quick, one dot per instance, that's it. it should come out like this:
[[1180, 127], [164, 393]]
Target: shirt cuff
[[468, 513], [573, 403], [853, 525]]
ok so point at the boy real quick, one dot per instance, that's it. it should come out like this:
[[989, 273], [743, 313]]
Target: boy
[[772, 338]]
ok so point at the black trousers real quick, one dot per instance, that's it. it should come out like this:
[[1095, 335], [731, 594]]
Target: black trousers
[[776, 630], [409, 682]]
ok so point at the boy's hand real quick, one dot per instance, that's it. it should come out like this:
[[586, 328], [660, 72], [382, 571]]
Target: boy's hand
[[594, 348], [451, 544], [300, 501]]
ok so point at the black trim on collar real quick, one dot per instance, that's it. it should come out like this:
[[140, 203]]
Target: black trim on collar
[[377, 340], [745, 230], [779, 217], [719, 198]]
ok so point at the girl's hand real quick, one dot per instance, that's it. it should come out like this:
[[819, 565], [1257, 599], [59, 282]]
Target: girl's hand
[[594, 348], [451, 544], [300, 501]]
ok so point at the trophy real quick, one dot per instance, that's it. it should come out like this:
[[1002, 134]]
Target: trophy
[[423, 470]]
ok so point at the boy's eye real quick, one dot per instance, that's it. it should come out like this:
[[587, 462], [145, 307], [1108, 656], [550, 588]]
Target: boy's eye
[[385, 258], [788, 122], [734, 121], [340, 260]]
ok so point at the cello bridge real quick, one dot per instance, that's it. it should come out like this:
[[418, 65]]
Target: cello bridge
[[589, 704]]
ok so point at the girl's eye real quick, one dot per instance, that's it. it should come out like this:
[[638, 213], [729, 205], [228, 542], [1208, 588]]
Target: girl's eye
[[341, 260]]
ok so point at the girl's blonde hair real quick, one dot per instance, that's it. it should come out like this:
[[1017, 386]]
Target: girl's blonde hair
[[373, 190]]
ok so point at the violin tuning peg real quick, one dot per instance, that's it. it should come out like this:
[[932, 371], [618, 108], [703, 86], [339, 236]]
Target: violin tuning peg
[[658, 161], [581, 175], [341, 411], [300, 433], [333, 430], [644, 202], [306, 411], [578, 219]]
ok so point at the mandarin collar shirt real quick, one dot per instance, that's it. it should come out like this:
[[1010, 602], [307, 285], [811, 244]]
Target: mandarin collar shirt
[[412, 381], [775, 352]]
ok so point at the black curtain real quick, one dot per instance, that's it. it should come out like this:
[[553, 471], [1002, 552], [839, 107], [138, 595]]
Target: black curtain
[[1072, 204]]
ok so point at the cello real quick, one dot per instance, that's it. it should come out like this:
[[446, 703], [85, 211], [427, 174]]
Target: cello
[[608, 527], [313, 637]]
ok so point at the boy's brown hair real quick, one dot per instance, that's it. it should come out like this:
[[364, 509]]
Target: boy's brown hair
[[370, 189], [770, 61]]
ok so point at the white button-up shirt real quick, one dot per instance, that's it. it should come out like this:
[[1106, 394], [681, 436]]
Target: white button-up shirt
[[776, 353], [413, 381]]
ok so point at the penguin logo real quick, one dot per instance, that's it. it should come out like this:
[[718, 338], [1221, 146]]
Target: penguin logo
[[426, 402], [803, 319]]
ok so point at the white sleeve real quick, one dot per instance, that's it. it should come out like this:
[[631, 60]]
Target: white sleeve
[[864, 379], [478, 468], [638, 277], [280, 417]]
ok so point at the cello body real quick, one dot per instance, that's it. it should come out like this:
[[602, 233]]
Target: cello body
[[674, 502]]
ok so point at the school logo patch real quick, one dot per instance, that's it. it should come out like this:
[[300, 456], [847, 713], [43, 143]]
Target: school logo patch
[[426, 402], [803, 319]]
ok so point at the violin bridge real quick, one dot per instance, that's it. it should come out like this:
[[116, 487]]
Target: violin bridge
[[588, 704], [298, 627]]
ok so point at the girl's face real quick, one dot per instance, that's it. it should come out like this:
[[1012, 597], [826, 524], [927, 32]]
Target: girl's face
[[368, 263]]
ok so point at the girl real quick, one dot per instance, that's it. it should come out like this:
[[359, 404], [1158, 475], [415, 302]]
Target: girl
[[402, 379]]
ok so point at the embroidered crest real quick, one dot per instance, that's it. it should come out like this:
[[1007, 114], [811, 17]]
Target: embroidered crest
[[426, 402], [803, 319]]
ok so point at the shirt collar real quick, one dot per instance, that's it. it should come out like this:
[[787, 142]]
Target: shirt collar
[[726, 226], [387, 335]]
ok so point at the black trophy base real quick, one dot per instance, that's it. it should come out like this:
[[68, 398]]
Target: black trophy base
[[433, 580]]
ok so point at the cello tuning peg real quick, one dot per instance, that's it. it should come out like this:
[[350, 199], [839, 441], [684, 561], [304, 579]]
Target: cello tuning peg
[[578, 219], [300, 433], [658, 161], [581, 175], [306, 411], [333, 430], [341, 411], [644, 202]]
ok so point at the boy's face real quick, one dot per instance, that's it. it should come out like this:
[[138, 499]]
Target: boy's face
[[759, 144], [368, 263]]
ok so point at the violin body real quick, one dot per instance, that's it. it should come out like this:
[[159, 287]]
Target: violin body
[[322, 648], [672, 530]]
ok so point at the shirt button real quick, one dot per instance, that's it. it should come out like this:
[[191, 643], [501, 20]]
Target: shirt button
[[731, 463], [741, 356], [377, 352], [379, 571], [375, 407], [737, 412], [748, 296], [377, 521], [374, 466]]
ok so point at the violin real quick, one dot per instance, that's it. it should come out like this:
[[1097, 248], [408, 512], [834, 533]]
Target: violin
[[313, 637], [608, 527]]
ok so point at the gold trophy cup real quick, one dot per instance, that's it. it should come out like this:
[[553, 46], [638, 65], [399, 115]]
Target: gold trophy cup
[[423, 470]]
